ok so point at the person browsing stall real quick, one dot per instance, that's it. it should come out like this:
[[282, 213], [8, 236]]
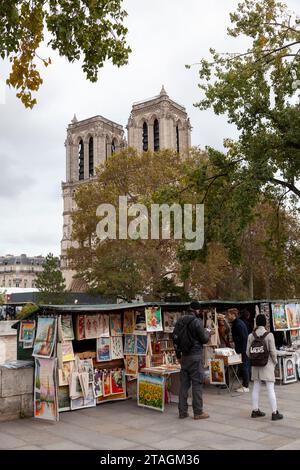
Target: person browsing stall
[[240, 338]]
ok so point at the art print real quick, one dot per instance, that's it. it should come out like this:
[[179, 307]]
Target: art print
[[115, 324], [64, 403], [64, 373], [170, 319], [131, 365], [153, 319], [217, 372], [103, 325], [141, 345], [75, 385], [142, 362], [106, 383], [289, 370], [129, 344], [117, 381], [45, 390], [91, 326], [279, 317], [151, 392], [45, 337], [66, 328], [293, 315], [117, 347], [27, 331], [98, 383], [140, 321], [80, 327], [67, 351], [103, 349], [86, 365], [129, 322]]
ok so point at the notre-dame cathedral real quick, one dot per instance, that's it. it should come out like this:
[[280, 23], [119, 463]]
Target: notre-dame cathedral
[[153, 124]]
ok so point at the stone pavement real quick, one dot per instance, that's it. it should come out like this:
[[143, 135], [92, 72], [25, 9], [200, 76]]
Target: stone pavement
[[124, 425]]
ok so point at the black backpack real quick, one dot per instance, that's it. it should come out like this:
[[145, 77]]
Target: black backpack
[[259, 354], [182, 338]]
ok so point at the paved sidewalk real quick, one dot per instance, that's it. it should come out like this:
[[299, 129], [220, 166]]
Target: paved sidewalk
[[124, 425]]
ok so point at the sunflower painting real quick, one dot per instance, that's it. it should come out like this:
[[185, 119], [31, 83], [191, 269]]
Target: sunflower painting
[[151, 392]]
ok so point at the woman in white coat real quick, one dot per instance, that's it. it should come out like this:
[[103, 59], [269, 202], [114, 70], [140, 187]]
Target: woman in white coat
[[265, 373]]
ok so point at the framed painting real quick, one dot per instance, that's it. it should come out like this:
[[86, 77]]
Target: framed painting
[[129, 344], [141, 345], [27, 331], [293, 316], [117, 378], [64, 403], [103, 349], [289, 370], [131, 365], [217, 372], [153, 319], [45, 337], [45, 389], [151, 392], [170, 319], [279, 317], [64, 373]]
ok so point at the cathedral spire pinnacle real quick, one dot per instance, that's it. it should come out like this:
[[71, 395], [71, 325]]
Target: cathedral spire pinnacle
[[163, 91], [74, 120]]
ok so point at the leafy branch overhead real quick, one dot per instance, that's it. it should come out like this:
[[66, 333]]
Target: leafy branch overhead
[[91, 30]]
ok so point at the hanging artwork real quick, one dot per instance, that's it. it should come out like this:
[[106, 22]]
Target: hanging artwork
[[151, 392], [64, 373], [45, 337], [131, 365], [98, 383], [265, 310], [27, 331], [129, 344], [84, 402], [129, 322], [106, 383], [293, 315], [289, 370], [217, 372], [86, 365], [64, 403], [80, 327], [75, 385], [140, 322], [65, 352], [91, 326], [153, 319], [65, 328], [103, 349], [117, 381], [45, 389], [117, 347], [142, 362], [170, 319], [141, 345], [103, 325], [115, 324], [279, 317], [211, 322]]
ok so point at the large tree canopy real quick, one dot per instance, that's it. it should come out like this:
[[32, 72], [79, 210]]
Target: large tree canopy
[[258, 91], [89, 29]]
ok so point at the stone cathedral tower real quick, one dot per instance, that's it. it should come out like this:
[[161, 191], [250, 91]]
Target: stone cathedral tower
[[154, 124]]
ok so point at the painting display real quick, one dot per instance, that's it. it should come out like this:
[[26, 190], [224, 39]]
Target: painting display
[[140, 322], [129, 322], [115, 324], [27, 331], [293, 315], [64, 402], [65, 328], [129, 344], [279, 316], [131, 365], [217, 372], [84, 402], [86, 365], [103, 349], [65, 372], [65, 352], [289, 370], [117, 347], [265, 310], [151, 392], [170, 319], [98, 383], [103, 320], [80, 327], [141, 345], [117, 381], [153, 319], [45, 337], [45, 389], [106, 383], [91, 325]]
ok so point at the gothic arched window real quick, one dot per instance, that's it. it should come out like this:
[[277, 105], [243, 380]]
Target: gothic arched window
[[81, 160], [113, 146], [156, 135], [177, 138], [91, 157], [145, 137]]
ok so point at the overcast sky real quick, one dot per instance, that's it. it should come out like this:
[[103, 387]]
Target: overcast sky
[[164, 36]]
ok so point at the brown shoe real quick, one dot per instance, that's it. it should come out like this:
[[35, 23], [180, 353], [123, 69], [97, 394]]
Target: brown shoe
[[202, 416], [184, 415]]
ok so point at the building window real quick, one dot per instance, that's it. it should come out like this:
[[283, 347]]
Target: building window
[[91, 157], [106, 148], [113, 146], [177, 138], [81, 161], [156, 135], [145, 137], [25, 283]]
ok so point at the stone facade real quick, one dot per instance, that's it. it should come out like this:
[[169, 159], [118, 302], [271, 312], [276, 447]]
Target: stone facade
[[8, 341], [16, 391], [156, 123], [20, 271]]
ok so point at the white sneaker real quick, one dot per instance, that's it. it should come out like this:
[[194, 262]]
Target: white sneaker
[[242, 390]]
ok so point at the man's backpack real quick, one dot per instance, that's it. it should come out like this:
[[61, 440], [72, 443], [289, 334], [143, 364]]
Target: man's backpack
[[259, 354], [182, 338]]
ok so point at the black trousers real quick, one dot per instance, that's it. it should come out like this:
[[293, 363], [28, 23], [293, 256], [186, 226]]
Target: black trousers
[[191, 374]]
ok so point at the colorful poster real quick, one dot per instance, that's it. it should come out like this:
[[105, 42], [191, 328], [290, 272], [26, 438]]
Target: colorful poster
[[91, 326], [129, 322], [66, 350], [117, 347], [151, 392], [141, 345], [217, 372], [115, 324], [117, 381], [140, 322], [153, 319], [289, 370], [98, 383], [64, 373], [103, 349], [45, 337], [131, 365], [66, 332], [84, 402], [129, 344], [142, 362], [80, 327], [293, 315], [279, 317], [170, 319], [63, 399], [106, 383], [103, 321], [27, 331], [86, 365], [45, 391]]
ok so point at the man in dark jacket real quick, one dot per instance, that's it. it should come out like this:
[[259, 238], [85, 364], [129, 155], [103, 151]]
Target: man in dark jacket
[[191, 361], [240, 337]]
